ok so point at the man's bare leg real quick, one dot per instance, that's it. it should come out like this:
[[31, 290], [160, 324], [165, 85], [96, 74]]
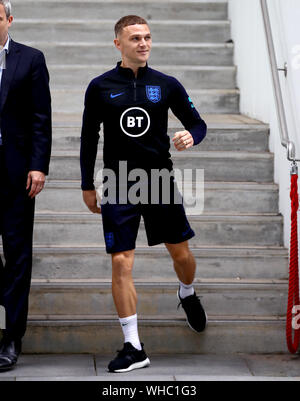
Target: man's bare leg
[[185, 267], [124, 295], [184, 261], [123, 289], [133, 355]]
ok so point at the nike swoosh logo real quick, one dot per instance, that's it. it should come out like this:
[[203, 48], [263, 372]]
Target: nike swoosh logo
[[116, 95]]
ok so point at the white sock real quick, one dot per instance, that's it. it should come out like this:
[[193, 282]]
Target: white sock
[[130, 331], [185, 290]]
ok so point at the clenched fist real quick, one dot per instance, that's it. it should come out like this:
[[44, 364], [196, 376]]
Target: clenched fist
[[183, 140]]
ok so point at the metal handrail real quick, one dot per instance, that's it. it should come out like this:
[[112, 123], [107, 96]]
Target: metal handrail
[[284, 135]]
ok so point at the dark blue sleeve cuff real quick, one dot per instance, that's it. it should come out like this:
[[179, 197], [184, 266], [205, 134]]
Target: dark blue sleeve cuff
[[198, 132]]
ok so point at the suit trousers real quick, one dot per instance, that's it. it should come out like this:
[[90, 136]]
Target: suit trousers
[[16, 229]]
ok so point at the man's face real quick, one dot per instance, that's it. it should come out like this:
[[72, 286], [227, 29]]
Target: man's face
[[5, 23], [134, 43]]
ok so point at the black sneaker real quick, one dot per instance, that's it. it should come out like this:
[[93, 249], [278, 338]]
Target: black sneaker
[[196, 316], [129, 358]]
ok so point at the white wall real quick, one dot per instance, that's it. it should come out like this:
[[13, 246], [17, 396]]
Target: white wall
[[254, 78]]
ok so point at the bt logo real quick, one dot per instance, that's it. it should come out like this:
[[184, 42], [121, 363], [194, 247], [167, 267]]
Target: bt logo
[[135, 122], [131, 121]]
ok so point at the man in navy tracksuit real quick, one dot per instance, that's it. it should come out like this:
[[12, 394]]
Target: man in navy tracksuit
[[132, 102]]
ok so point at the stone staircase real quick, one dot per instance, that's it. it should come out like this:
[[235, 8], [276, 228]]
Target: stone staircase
[[241, 263]]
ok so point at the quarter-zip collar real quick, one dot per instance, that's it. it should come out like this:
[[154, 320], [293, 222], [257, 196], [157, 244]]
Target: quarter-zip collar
[[128, 73]]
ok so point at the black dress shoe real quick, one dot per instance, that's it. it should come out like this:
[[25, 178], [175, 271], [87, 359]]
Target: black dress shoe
[[9, 353]]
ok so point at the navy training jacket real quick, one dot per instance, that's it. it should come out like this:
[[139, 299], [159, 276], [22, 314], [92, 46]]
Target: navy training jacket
[[134, 113]]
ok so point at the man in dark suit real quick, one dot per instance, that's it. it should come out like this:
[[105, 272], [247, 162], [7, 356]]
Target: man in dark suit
[[25, 147]]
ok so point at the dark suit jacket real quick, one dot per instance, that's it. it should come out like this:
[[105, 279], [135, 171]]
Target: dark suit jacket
[[25, 113]]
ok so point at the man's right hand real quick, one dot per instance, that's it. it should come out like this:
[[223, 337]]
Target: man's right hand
[[90, 199]]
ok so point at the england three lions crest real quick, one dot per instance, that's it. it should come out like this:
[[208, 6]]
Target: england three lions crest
[[153, 93]]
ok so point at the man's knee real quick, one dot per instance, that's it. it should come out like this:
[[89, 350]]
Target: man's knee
[[183, 257], [122, 263], [181, 254]]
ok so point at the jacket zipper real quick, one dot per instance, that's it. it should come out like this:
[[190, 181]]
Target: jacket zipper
[[134, 86]]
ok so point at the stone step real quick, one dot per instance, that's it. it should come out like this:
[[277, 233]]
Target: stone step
[[205, 100], [231, 262], [207, 54], [90, 298], [230, 132], [219, 138], [161, 336], [114, 9], [247, 138], [86, 229], [197, 77], [214, 121], [217, 197], [77, 29], [218, 166]]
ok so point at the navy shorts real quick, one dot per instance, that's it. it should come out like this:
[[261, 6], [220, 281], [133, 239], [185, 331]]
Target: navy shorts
[[164, 223]]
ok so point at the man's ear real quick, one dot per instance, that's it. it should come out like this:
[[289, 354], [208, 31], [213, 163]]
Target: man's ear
[[117, 43], [10, 20]]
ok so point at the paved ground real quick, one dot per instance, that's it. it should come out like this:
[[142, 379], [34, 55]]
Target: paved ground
[[163, 368]]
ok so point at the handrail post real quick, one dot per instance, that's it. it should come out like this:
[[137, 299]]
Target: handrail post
[[283, 129]]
